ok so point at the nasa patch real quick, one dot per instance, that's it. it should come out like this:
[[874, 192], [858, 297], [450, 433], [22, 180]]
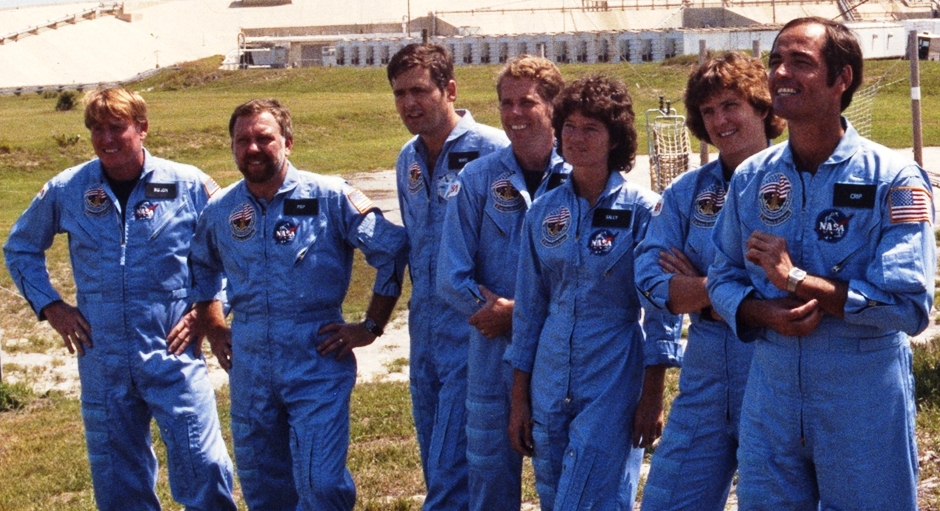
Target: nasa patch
[[144, 210], [285, 232], [775, 199], [97, 202], [832, 225], [601, 242], [555, 227], [707, 205], [448, 185], [505, 196], [242, 222], [414, 178]]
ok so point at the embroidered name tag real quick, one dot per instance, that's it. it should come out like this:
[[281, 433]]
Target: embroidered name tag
[[616, 218], [301, 207], [160, 191], [456, 161], [555, 180], [847, 195]]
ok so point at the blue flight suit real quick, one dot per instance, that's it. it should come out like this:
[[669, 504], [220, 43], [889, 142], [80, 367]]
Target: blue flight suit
[[695, 462], [577, 331], [480, 246], [288, 265], [828, 418], [132, 286], [439, 333]]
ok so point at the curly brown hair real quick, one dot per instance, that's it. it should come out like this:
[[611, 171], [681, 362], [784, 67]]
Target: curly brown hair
[[545, 73], [736, 72], [607, 100]]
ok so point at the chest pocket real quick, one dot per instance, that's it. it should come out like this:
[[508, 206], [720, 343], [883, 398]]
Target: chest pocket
[[610, 238], [845, 242], [296, 232]]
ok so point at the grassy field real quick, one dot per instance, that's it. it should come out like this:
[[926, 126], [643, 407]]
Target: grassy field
[[345, 122]]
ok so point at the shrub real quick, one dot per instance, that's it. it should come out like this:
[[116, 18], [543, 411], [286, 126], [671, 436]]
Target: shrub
[[67, 101], [14, 396], [65, 140]]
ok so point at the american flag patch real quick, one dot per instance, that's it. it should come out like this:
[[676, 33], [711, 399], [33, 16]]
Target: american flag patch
[[359, 200], [909, 204], [211, 186]]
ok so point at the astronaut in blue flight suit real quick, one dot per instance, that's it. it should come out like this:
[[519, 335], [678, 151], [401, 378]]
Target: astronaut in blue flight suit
[[728, 105], [826, 260], [477, 268], [422, 80], [129, 217], [578, 349], [285, 240]]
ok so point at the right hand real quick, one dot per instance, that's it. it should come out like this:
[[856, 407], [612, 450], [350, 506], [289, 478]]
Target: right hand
[[520, 417], [788, 316], [70, 324]]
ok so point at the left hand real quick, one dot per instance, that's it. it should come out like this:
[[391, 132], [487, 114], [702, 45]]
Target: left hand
[[648, 418], [495, 317], [343, 338], [675, 261], [770, 253], [185, 331]]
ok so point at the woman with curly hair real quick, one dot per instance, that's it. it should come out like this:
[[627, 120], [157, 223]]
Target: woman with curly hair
[[728, 105], [579, 352]]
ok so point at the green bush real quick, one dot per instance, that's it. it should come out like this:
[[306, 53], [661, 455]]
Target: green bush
[[14, 396], [65, 140], [927, 372], [67, 101]]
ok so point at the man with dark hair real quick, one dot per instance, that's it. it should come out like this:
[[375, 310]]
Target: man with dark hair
[[285, 238], [422, 80], [477, 268], [826, 260], [129, 217]]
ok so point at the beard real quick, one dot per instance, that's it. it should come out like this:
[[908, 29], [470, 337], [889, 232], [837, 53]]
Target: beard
[[260, 174]]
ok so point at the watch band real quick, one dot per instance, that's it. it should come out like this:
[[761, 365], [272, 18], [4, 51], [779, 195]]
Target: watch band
[[373, 327], [794, 278]]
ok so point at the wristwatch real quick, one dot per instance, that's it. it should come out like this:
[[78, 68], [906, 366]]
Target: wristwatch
[[795, 276], [373, 327]]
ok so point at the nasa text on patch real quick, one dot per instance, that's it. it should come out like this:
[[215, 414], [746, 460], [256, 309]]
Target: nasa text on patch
[[160, 191], [604, 217], [845, 195], [456, 160], [301, 207]]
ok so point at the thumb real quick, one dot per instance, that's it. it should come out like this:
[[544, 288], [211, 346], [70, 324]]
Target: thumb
[[489, 295]]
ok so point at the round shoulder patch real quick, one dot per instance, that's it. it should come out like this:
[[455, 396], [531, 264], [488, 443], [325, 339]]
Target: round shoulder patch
[[97, 202], [555, 227], [242, 221], [775, 199], [414, 178], [505, 196], [707, 205]]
